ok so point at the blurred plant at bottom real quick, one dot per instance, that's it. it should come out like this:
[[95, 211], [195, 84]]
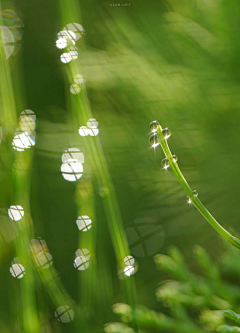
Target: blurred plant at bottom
[[192, 302], [233, 316]]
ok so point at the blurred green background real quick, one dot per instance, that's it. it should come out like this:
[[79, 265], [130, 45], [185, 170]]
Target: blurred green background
[[176, 61]]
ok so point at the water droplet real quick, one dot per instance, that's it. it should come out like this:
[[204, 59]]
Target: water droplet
[[16, 212], [61, 43], [166, 133], [27, 122], [75, 89], [93, 131], [65, 57], [82, 259], [189, 200], [68, 35], [81, 263], [17, 271], [131, 266], [165, 164], [72, 170], [76, 29], [73, 52], [145, 237], [79, 79], [129, 270], [154, 140], [44, 260], [153, 126], [72, 155], [92, 123], [84, 131], [195, 193], [129, 261], [64, 314], [84, 223], [22, 141], [174, 158], [38, 245]]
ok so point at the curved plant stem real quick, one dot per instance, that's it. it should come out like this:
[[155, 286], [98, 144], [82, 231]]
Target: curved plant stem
[[194, 200]]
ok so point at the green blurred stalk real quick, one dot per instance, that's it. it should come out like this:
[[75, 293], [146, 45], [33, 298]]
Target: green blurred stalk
[[81, 112], [194, 199], [19, 187]]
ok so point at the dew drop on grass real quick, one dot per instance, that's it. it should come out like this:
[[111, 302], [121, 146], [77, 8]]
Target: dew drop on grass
[[16, 213], [82, 259], [166, 133], [153, 126], [84, 223], [174, 158], [129, 260], [189, 200], [195, 193], [65, 57], [61, 43], [154, 140], [75, 89], [17, 271], [165, 164], [92, 123]]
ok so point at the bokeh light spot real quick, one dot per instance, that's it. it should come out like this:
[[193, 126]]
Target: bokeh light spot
[[83, 131], [22, 141], [65, 58], [81, 261], [79, 79], [71, 154], [17, 270], [92, 123], [27, 121], [64, 314], [61, 43], [16, 212], [72, 170], [75, 89], [84, 223]]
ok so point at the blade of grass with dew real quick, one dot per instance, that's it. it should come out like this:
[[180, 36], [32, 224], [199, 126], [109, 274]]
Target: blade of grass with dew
[[81, 112], [193, 198], [88, 292]]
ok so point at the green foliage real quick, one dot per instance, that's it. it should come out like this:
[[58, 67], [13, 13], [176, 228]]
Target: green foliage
[[192, 300], [233, 316]]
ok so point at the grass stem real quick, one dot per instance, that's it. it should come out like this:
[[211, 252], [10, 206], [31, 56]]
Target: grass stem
[[194, 199]]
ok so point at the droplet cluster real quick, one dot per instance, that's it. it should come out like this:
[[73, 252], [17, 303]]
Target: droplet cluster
[[154, 139], [75, 87], [82, 259], [24, 136], [91, 128], [72, 164], [67, 38]]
